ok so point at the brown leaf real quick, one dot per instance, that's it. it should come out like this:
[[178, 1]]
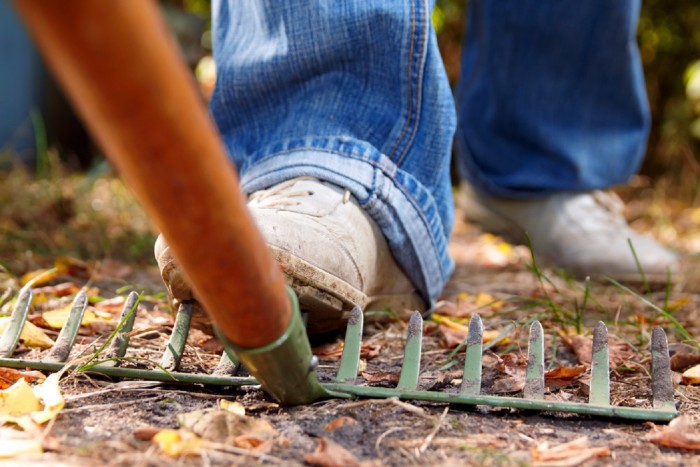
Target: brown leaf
[[679, 434], [226, 427], [334, 350], [564, 372], [340, 421], [114, 269], [113, 305], [331, 454], [451, 337], [59, 290], [572, 453], [683, 361], [620, 352], [146, 433], [380, 376], [9, 376], [509, 384]]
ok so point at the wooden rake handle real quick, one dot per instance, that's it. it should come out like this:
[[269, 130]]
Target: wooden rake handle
[[120, 67]]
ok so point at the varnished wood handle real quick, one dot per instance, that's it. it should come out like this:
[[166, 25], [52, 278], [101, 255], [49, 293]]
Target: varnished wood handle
[[118, 63]]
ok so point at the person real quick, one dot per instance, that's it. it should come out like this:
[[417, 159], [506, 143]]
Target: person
[[340, 120]]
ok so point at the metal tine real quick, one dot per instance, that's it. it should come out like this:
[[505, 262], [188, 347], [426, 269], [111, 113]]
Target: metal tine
[[120, 342], [228, 364], [471, 380], [600, 367], [661, 378], [65, 340], [350, 360], [176, 344], [9, 339], [411, 358], [534, 375]]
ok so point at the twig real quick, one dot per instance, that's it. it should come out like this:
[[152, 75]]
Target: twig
[[433, 432], [385, 434], [390, 400]]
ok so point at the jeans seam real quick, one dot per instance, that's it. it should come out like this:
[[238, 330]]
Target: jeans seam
[[418, 37]]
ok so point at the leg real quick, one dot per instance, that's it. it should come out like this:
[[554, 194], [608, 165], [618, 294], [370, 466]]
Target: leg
[[352, 94], [552, 106]]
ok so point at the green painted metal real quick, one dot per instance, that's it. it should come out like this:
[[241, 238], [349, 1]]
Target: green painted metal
[[286, 368], [10, 338], [65, 340], [471, 379], [290, 377], [135, 373], [661, 377], [600, 367], [176, 345], [515, 402], [411, 357], [534, 374], [350, 360]]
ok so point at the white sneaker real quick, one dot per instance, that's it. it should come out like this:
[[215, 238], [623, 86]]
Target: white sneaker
[[332, 253], [584, 233]]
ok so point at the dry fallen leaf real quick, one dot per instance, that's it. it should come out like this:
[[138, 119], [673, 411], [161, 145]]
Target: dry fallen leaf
[[23, 404], [683, 361], [455, 333], [221, 426], [31, 335], [177, 443], [380, 376], [572, 453], [691, 375], [620, 352], [15, 443], [680, 433], [564, 372], [232, 406], [334, 350], [63, 289], [340, 421], [331, 454], [9, 376], [57, 318]]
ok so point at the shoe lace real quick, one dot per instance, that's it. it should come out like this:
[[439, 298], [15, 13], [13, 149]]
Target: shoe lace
[[279, 196]]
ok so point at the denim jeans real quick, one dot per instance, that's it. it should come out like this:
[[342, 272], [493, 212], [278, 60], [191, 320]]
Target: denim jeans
[[354, 93]]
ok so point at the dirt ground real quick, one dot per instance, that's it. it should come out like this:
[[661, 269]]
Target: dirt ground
[[110, 422]]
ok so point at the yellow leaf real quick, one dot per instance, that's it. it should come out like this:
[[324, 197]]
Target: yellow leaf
[[176, 443], [57, 318], [21, 402], [232, 406], [31, 335], [18, 400], [52, 399], [488, 336], [15, 443], [692, 375], [38, 277]]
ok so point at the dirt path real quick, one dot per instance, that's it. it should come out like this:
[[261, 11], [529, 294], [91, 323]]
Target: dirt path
[[111, 422]]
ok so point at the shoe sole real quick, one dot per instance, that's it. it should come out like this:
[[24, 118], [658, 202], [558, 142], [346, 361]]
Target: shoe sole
[[328, 299]]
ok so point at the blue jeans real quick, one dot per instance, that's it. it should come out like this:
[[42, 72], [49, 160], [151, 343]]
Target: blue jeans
[[355, 93]]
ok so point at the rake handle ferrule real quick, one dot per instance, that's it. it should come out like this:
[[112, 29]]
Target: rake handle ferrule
[[118, 64]]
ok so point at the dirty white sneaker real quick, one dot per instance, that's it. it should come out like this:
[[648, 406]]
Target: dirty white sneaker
[[584, 233], [332, 253]]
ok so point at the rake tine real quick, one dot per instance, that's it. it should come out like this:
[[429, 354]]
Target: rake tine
[[471, 380], [9, 339], [176, 345], [600, 367], [661, 380], [65, 340], [117, 348], [350, 360], [411, 357], [534, 376], [228, 365]]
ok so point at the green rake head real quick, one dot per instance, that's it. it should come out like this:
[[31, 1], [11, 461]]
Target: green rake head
[[286, 368]]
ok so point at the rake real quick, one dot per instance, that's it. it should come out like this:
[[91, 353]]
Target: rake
[[344, 385]]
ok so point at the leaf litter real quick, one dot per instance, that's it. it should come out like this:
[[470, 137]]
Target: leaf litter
[[194, 426]]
